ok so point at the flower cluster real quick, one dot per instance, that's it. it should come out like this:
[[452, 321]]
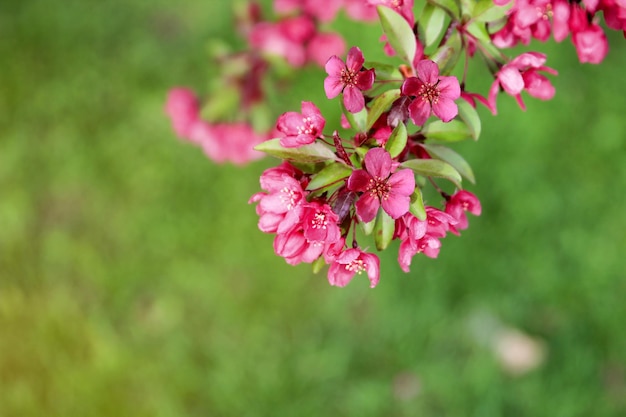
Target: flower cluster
[[371, 178]]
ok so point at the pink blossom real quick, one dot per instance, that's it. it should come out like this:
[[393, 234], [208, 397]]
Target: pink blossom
[[285, 38], [380, 186], [591, 44], [301, 128], [350, 78], [320, 223], [227, 142], [296, 248], [360, 11], [431, 93], [458, 204], [324, 45], [284, 193], [351, 262], [522, 73], [183, 108], [324, 10]]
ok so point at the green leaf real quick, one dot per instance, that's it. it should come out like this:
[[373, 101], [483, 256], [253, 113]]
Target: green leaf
[[448, 54], [318, 264], [397, 140], [383, 230], [331, 174], [452, 6], [434, 168], [448, 155], [384, 72], [487, 11], [431, 23], [399, 33], [417, 204], [356, 120], [314, 152], [470, 116], [368, 228], [453, 131], [380, 105]]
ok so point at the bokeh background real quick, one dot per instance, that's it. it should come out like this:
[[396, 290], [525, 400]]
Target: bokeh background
[[134, 282]]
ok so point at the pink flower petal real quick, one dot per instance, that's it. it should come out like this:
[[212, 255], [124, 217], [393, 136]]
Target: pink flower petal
[[378, 163], [332, 86], [355, 60], [419, 111], [396, 205], [353, 99], [445, 109], [359, 180], [427, 71], [334, 66], [402, 182], [367, 206], [449, 87]]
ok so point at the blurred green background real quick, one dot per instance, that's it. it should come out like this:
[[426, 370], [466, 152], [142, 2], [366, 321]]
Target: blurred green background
[[134, 282]]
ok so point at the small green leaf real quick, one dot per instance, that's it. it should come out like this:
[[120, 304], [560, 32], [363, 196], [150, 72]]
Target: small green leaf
[[453, 131], [487, 11], [384, 72], [380, 105], [448, 155], [452, 6], [434, 168], [417, 204], [448, 54], [431, 23], [368, 228], [331, 174], [470, 116], [318, 264], [314, 152], [356, 120], [399, 33], [397, 140], [383, 230]]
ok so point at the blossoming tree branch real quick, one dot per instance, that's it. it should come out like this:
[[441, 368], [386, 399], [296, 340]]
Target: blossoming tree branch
[[334, 193]]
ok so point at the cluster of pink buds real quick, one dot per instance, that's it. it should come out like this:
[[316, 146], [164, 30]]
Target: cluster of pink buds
[[371, 175], [537, 19]]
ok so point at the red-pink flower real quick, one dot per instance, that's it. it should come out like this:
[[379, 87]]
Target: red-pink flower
[[458, 204], [351, 262], [591, 44], [320, 223], [350, 78], [301, 128], [522, 73], [284, 194], [285, 38], [380, 187], [431, 93]]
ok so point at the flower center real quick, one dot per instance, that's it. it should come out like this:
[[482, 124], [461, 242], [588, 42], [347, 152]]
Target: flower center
[[429, 92], [546, 12], [379, 188], [306, 128], [348, 77], [319, 221], [288, 197], [357, 266]]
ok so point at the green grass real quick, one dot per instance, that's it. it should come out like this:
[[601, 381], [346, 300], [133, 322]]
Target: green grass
[[134, 282]]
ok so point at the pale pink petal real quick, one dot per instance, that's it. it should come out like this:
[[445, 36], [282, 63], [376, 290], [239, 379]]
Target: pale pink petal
[[338, 275], [511, 80], [405, 254], [372, 266], [333, 86], [334, 66]]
